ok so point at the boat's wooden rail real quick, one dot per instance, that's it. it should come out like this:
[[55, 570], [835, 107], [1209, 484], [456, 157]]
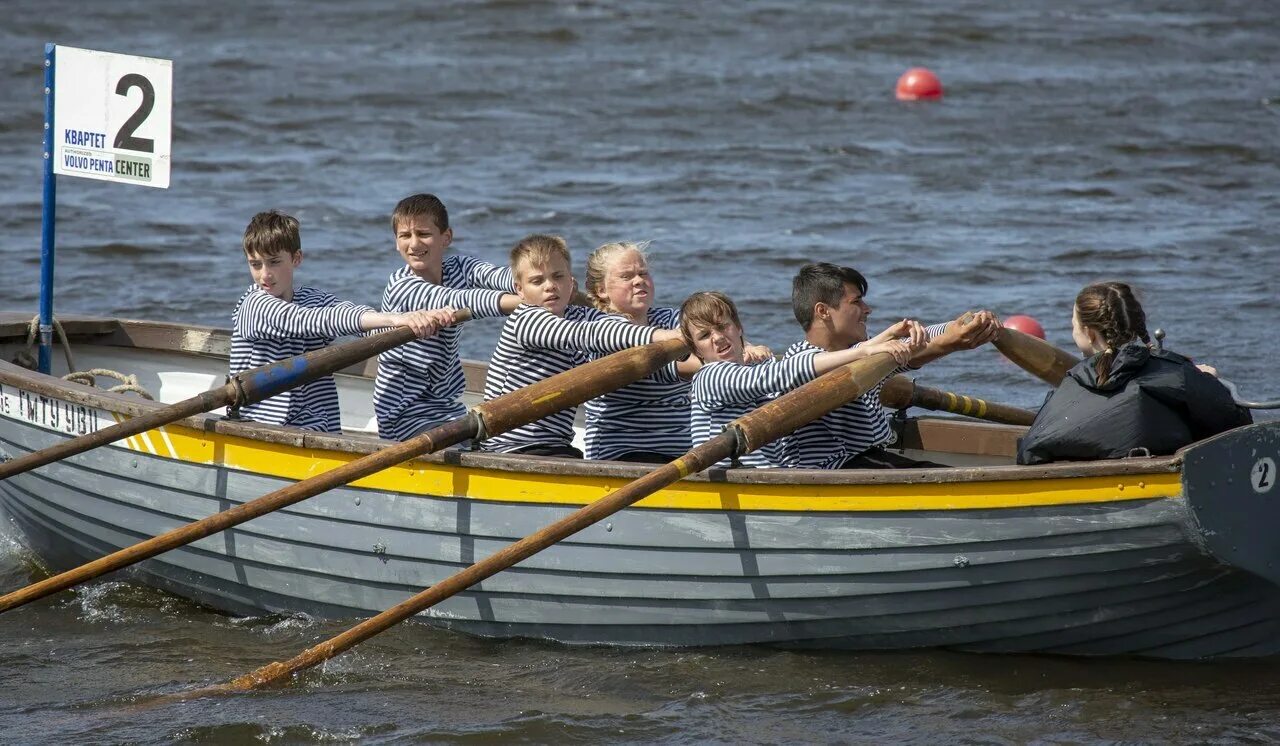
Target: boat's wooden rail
[[930, 433]]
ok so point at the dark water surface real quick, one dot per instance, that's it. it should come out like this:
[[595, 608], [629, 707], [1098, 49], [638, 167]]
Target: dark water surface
[[1077, 142]]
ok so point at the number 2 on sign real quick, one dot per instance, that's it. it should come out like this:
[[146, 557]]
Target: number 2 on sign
[[1263, 475], [125, 138]]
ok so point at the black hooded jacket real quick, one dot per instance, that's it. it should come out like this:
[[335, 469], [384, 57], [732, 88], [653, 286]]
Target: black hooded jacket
[[1154, 400]]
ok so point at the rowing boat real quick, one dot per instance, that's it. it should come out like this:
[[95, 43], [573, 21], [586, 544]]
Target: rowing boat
[[1168, 557]]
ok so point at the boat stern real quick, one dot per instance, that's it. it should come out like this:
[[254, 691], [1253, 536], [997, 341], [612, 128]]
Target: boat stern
[[1230, 482]]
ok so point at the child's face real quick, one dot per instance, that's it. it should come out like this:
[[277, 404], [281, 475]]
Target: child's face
[[849, 317], [421, 244], [549, 285], [717, 342], [627, 285], [274, 273]]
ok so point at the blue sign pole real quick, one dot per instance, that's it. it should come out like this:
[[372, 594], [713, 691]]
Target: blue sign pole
[[47, 220]]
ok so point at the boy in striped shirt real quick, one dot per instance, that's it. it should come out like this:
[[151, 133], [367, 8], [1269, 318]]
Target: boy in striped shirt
[[274, 321], [546, 336], [828, 302], [726, 388], [420, 384]]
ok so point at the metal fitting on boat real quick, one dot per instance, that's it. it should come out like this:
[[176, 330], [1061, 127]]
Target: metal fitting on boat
[[476, 417]]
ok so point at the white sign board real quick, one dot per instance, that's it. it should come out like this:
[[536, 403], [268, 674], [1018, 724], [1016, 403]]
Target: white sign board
[[112, 116]]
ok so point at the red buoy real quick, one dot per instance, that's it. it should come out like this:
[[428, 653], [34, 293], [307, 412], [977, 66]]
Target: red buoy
[[1025, 324], [919, 84]]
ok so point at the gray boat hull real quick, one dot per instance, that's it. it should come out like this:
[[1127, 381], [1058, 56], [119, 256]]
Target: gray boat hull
[[1125, 576]]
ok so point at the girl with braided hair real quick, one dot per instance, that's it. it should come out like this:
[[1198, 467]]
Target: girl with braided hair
[[1124, 396]]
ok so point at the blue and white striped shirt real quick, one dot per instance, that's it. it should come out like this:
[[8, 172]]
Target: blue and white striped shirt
[[723, 391], [266, 329], [420, 383], [827, 442], [536, 344], [651, 414]]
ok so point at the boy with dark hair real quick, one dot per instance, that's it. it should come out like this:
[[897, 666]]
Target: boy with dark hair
[[420, 384], [828, 301], [274, 321], [726, 387]]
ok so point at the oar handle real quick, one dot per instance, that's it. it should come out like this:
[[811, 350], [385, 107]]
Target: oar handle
[[900, 393], [1034, 355]]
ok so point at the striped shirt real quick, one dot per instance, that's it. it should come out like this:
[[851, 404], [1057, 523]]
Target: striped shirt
[[843, 433], [420, 383], [724, 391], [266, 329], [536, 344], [651, 414]]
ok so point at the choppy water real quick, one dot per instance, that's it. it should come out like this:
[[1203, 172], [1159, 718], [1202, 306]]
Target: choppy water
[[1081, 141]]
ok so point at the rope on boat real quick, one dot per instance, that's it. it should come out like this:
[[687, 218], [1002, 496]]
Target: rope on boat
[[33, 331], [127, 383]]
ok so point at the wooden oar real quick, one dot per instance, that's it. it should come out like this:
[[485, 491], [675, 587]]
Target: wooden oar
[[900, 392], [496, 416], [746, 434], [243, 388], [1036, 356]]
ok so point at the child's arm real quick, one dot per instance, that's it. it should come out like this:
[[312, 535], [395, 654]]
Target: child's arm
[[423, 323], [416, 294], [961, 334], [264, 316], [720, 384], [486, 276], [538, 328], [901, 349]]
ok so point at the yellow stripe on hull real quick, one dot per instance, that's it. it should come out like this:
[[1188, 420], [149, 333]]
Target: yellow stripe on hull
[[295, 463]]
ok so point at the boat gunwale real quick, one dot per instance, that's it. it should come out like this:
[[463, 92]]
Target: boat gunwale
[[161, 336]]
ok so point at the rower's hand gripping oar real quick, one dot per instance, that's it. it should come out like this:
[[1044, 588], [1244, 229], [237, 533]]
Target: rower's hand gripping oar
[[243, 388], [493, 417], [746, 434]]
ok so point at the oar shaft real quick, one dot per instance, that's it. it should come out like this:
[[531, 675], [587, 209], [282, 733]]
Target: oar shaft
[[531, 403], [1036, 356], [203, 402], [812, 400], [440, 437], [743, 435], [900, 393], [702, 457], [244, 388]]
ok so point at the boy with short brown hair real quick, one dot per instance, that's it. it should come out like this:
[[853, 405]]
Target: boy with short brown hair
[[274, 321], [420, 384]]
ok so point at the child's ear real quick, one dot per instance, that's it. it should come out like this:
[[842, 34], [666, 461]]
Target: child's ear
[[447, 236], [297, 258]]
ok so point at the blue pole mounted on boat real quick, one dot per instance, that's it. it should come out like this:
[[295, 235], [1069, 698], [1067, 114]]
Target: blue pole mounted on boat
[[47, 219]]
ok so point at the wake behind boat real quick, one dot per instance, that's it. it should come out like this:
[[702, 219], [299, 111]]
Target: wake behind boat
[[1164, 557]]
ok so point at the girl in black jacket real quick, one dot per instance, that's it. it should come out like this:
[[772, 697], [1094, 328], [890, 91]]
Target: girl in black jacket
[[1124, 395]]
